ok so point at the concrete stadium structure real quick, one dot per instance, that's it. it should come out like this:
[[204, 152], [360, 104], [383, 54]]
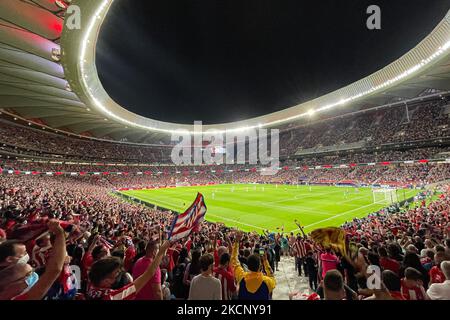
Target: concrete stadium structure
[[48, 76]]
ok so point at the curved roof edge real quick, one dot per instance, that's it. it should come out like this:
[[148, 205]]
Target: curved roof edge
[[78, 60]]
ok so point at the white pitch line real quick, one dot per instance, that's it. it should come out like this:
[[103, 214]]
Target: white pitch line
[[353, 199], [298, 210], [158, 201], [301, 196], [333, 217], [236, 221], [279, 201], [223, 218]]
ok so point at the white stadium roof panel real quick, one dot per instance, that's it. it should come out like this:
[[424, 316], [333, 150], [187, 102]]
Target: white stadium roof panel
[[34, 85]]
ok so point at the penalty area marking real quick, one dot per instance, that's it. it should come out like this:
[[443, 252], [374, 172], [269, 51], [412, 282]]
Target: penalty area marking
[[333, 217]]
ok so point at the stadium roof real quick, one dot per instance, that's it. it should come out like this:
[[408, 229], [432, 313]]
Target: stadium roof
[[65, 92]]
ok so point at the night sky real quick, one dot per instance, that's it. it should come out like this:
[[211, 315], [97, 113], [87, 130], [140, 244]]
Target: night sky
[[227, 60]]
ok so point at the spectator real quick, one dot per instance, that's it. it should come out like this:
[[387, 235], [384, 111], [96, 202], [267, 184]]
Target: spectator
[[441, 291], [412, 285], [333, 286], [299, 250], [152, 290], [393, 283], [104, 272], [17, 279], [253, 285], [277, 250], [311, 270], [205, 286], [411, 260], [329, 261], [387, 263], [123, 277], [226, 277], [428, 261], [447, 249], [429, 246], [394, 252], [193, 268], [436, 274], [12, 252], [179, 289]]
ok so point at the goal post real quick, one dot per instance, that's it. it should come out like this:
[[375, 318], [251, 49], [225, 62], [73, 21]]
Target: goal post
[[384, 195], [182, 184]]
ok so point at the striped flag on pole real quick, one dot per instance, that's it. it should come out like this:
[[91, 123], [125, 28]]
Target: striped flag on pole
[[189, 221]]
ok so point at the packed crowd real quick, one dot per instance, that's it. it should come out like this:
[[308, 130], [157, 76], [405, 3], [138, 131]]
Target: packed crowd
[[367, 157], [52, 225], [407, 251], [25, 140], [62, 165], [141, 177], [374, 127], [121, 250]]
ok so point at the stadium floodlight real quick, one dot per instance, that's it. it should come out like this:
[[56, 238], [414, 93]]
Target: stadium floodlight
[[311, 112], [87, 47]]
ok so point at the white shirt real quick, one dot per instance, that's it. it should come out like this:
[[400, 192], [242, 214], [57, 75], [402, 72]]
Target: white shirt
[[205, 288], [439, 291]]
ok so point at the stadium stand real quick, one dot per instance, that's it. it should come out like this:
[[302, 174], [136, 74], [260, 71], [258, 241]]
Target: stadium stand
[[108, 236], [66, 235]]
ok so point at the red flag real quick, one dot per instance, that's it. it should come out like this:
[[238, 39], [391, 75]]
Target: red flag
[[33, 230], [28, 232]]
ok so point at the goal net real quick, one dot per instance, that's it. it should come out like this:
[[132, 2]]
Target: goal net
[[384, 195]]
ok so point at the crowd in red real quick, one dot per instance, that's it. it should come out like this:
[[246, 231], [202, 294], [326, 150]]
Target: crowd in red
[[116, 246], [375, 127], [51, 225]]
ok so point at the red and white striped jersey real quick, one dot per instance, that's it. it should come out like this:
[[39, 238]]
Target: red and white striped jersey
[[127, 292], [227, 280], [300, 249]]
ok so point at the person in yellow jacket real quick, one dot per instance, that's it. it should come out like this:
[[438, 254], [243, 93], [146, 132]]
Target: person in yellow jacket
[[254, 284]]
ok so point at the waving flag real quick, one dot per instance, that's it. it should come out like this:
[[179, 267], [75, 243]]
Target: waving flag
[[189, 221], [330, 238], [31, 231]]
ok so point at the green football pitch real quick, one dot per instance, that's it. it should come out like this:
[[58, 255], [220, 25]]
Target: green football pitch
[[251, 207]]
